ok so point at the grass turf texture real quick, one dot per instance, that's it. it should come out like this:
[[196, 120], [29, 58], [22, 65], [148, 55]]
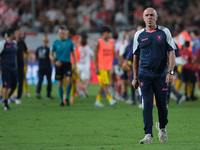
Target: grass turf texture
[[44, 125]]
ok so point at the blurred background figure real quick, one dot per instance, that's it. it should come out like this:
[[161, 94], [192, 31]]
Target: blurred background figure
[[44, 65]]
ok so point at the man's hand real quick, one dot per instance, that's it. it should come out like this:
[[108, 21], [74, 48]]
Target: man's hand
[[58, 63], [96, 71], [125, 65], [135, 83], [169, 79]]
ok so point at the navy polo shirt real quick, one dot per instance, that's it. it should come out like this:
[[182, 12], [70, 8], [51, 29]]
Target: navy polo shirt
[[153, 47], [8, 51]]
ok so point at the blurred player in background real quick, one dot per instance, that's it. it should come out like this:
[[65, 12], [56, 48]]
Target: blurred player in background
[[188, 70], [8, 51], [123, 51], [86, 54], [25, 84], [103, 62], [70, 34], [42, 55], [62, 48], [20, 63], [116, 70]]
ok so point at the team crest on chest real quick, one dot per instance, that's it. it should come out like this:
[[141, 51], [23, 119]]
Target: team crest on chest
[[159, 37]]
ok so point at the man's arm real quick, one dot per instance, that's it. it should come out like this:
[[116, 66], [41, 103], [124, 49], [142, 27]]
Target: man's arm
[[73, 53], [169, 77], [120, 58], [171, 60], [51, 57], [96, 49]]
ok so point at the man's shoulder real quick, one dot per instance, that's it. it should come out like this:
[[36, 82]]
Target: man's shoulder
[[164, 29], [138, 33]]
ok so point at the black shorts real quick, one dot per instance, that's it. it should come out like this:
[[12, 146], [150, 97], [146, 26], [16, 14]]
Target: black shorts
[[9, 78], [188, 75], [124, 76], [65, 69]]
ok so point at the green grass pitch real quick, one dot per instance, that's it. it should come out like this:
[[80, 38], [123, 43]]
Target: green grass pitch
[[44, 125]]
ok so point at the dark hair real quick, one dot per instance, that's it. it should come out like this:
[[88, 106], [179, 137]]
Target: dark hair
[[10, 31], [62, 28], [105, 29], [195, 32], [84, 39], [115, 35], [187, 44], [71, 31]]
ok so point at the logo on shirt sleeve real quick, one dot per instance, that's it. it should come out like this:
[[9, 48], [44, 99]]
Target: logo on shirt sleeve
[[159, 37]]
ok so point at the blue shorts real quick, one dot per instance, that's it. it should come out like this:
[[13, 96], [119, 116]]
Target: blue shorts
[[188, 75], [9, 78]]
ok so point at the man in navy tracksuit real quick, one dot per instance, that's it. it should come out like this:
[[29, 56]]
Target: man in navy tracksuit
[[42, 54], [154, 48], [8, 68]]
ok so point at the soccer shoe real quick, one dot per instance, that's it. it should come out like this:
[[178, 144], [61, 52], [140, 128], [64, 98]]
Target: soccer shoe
[[180, 99], [98, 104], [62, 104], [18, 101], [49, 98], [5, 105], [162, 133], [147, 139], [129, 101], [38, 96], [27, 95], [112, 102], [67, 102]]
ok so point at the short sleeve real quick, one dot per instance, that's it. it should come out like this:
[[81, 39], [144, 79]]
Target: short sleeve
[[136, 49], [2, 44], [169, 40]]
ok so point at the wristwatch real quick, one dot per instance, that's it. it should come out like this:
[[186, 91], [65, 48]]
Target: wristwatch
[[171, 72]]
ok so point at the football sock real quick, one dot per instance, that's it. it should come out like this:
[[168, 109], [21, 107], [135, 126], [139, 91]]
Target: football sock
[[25, 85], [60, 93], [73, 89], [109, 97], [68, 91], [98, 98], [188, 88], [178, 84]]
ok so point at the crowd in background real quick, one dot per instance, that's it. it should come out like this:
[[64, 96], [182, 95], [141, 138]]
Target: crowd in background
[[90, 15]]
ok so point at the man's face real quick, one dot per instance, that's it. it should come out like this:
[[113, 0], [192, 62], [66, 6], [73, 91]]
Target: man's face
[[61, 34], [106, 35], [150, 17]]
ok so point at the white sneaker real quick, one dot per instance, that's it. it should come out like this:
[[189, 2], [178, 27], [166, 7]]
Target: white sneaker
[[113, 102], [98, 104], [162, 133], [18, 101], [28, 95], [147, 139]]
